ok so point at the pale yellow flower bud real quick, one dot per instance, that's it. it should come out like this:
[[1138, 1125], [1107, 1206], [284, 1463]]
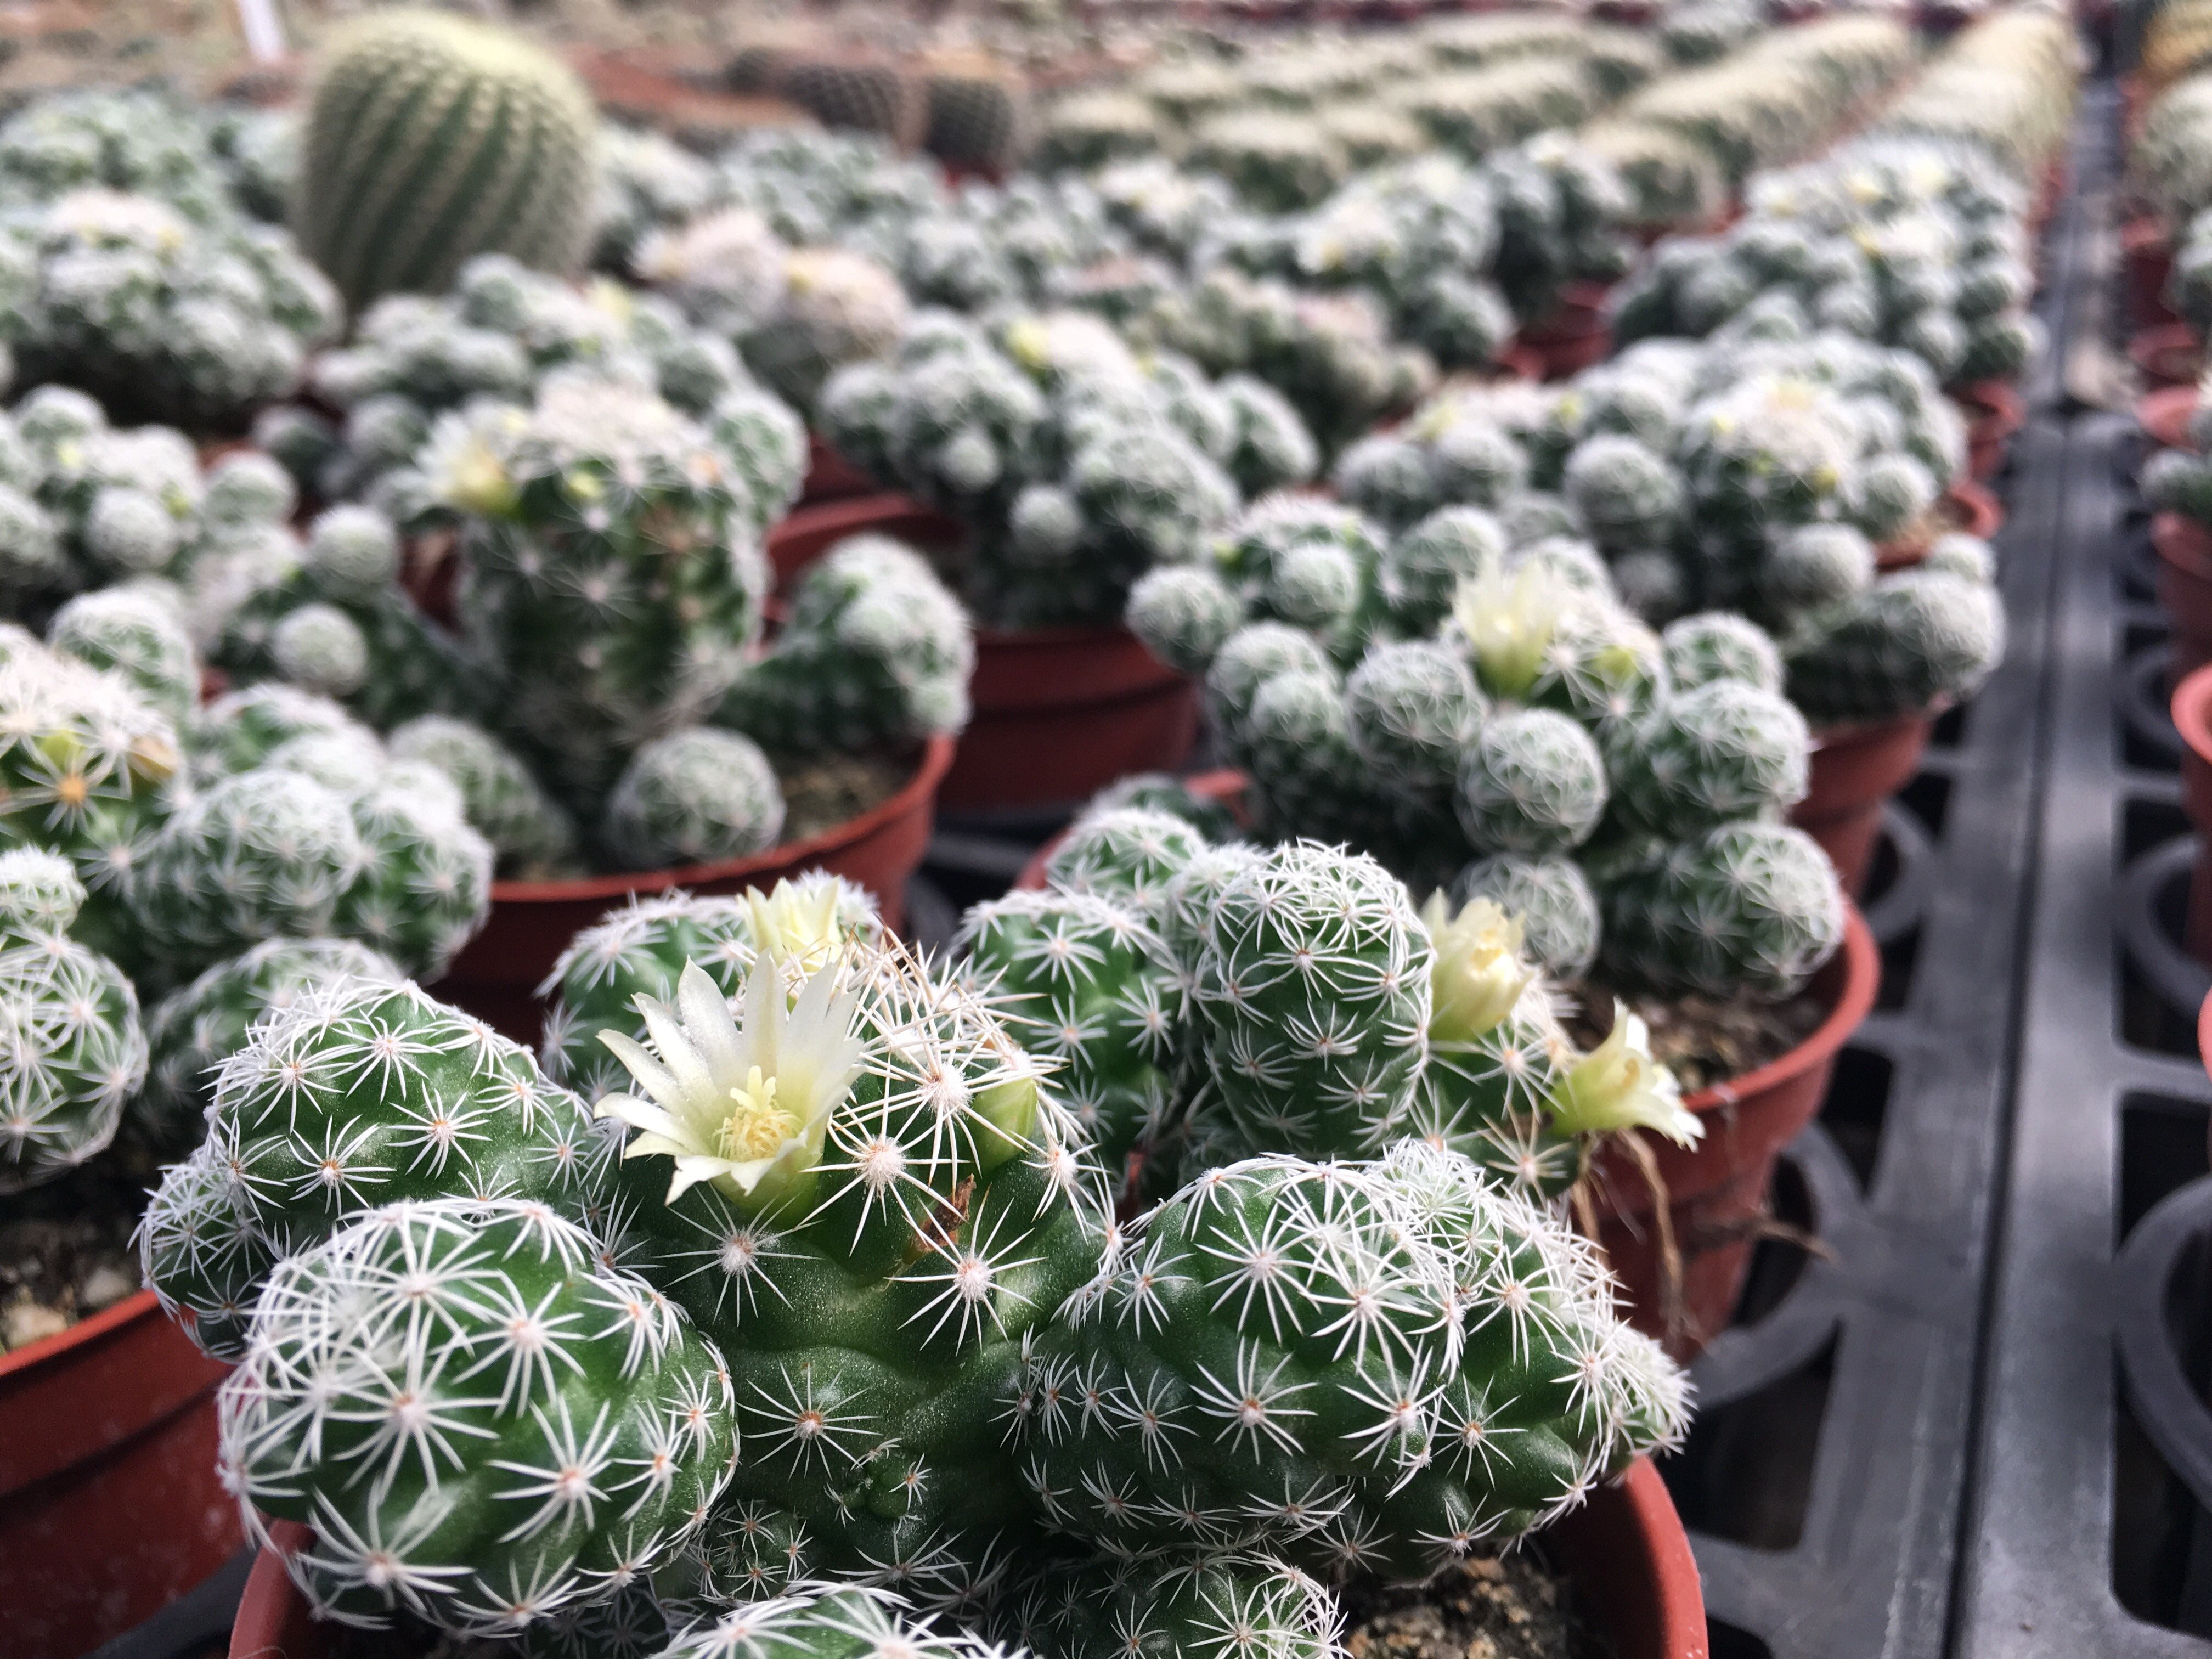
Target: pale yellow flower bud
[[1618, 1085], [1479, 975]]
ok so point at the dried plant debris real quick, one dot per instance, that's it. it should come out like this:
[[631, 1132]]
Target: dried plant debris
[[1511, 1606]]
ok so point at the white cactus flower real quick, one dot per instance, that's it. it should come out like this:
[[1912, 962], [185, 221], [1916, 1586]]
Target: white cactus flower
[[1618, 1085], [742, 1106]]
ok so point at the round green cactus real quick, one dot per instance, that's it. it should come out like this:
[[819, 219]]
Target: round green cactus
[[821, 1621], [602, 1432], [363, 1093], [1128, 855], [1531, 781], [76, 1051], [529, 832], [1726, 749], [1248, 659], [1213, 1607], [1293, 1360], [195, 1028], [1719, 644], [1313, 992], [1625, 497], [1422, 570], [695, 797], [1411, 707], [1184, 614], [424, 887], [134, 633], [1748, 908], [1914, 639], [1551, 899], [873, 651], [1086, 985]]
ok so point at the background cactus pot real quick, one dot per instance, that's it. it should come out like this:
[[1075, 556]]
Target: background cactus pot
[[2185, 588], [1717, 1189], [1624, 1548], [531, 922], [2192, 718], [1060, 713], [110, 1506], [1854, 771]]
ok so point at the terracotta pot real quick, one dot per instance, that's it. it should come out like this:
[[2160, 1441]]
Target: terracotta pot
[[2169, 355], [2164, 415], [1966, 506], [1576, 334], [1717, 1191], [1994, 412], [810, 531], [830, 476], [1060, 713], [2192, 718], [2149, 261], [1624, 1549], [496, 976], [2185, 589], [2204, 1034], [1856, 769], [109, 1505]]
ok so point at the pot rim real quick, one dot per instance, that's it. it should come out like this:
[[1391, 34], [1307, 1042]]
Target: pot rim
[[272, 1608], [2166, 410], [2191, 708], [136, 1306], [936, 760], [1845, 734], [1862, 960]]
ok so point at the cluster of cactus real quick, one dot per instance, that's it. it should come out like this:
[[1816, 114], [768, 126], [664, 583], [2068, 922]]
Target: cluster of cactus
[[854, 1227], [2002, 88], [1542, 747], [162, 318], [500, 332], [1908, 242], [1075, 466], [430, 139], [2169, 163], [142, 143]]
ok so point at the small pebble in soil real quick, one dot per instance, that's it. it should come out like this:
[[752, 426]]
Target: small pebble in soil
[[65, 1249], [1703, 1040], [1509, 1607]]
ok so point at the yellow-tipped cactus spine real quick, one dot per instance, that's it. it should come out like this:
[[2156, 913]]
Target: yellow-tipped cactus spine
[[433, 139]]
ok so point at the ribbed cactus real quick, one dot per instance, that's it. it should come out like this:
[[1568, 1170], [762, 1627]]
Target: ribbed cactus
[[361, 1093], [1365, 1368], [863, 1196], [873, 651], [593, 1435], [195, 1028], [695, 797], [1087, 985], [75, 1051], [432, 138]]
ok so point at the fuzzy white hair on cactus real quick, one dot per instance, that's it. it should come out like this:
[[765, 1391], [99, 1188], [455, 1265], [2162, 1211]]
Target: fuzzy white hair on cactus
[[742, 1106]]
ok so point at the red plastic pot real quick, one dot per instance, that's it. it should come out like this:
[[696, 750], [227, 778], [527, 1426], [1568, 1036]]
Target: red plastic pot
[[1994, 412], [1576, 334], [2192, 718], [830, 476], [496, 976], [2164, 415], [2204, 1034], [2185, 588], [1624, 1548], [1717, 1191], [1972, 509], [2168, 355], [109, 1505], [1060, 713], [2149, 260], [1856, 769]]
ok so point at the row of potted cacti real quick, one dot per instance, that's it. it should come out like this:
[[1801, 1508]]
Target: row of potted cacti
[[493, 603]]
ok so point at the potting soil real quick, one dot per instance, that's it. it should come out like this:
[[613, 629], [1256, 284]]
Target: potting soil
[[1510, 1606]]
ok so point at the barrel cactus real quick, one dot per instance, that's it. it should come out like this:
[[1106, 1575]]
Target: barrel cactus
[[432, 138]]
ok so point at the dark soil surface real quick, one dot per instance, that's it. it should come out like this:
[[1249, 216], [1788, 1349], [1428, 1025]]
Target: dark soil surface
[[822, 792], [1704, 1040], [65, 1250], [1511, 1606]]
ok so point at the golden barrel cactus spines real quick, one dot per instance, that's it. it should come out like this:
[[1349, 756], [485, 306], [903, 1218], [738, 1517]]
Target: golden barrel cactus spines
[[432, 138]]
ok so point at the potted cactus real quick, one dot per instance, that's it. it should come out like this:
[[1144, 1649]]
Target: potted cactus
[[836, 1114]]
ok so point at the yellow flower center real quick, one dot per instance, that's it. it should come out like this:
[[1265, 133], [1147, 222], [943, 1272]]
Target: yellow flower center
[[757, 1125]]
